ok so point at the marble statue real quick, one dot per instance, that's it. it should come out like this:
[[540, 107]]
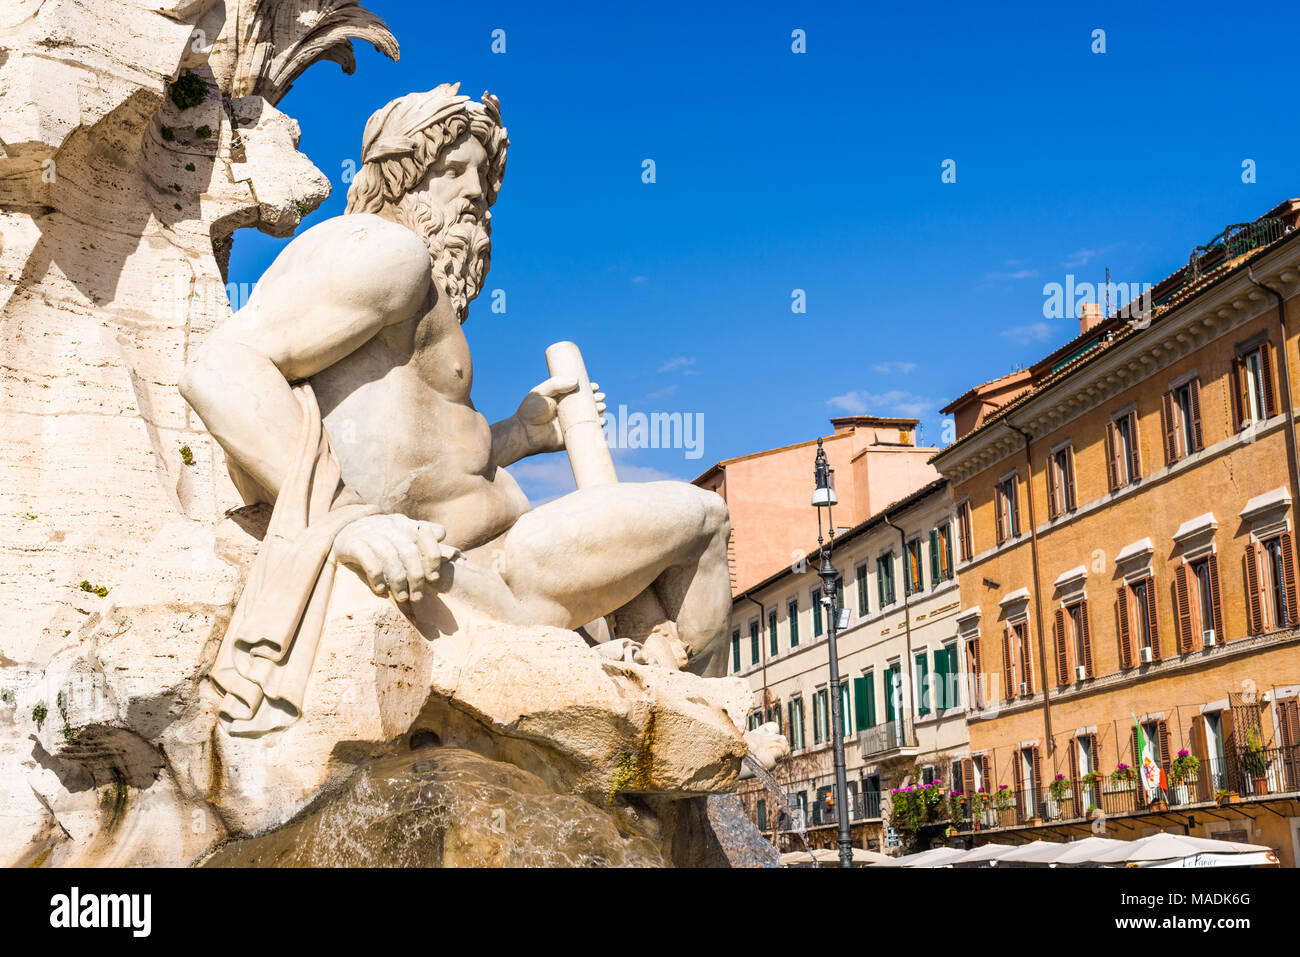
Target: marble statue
[[357, 326]]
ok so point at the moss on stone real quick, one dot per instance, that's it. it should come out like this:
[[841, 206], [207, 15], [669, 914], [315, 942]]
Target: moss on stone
[[189, 90]]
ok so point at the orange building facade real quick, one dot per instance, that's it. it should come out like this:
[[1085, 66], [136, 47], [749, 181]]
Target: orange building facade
[[1126, 515]]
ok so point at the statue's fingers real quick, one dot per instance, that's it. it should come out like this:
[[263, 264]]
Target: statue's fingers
[[394, 568], [595, 387], [556, 385], [427, 536], [412, 573], [370, 565]]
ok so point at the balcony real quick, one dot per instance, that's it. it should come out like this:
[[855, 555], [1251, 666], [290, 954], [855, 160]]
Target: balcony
[[896, 738]]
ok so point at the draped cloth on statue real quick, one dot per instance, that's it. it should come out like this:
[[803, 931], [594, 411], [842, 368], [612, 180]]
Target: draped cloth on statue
[[266, 657]]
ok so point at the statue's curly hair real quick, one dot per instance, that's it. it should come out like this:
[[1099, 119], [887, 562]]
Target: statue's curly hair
[[394, 162]]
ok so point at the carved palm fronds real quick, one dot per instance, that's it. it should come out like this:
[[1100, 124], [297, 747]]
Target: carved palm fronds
[[268, 43]]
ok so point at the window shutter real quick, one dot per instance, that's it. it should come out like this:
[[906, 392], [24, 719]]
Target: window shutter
[[1094, 748], [1240, 400], [1018, 777], [967, 537], [1184, 609], [967, 778], [941, 680], [1198, 440], [1135, 451], [1151, 618], [1253, 594], [1288, 578], [1036, 786], [1006, 662], [1266, 368], [1074, 776], [1125, 644], [1289, 721], [1213, 561], [1165, 757], [1014, 525], [1170, 423], [935, 575], [860, 703], [1112, 473], [1070, 495], [1133, 750], [1062, 665], [1000, 512], [1086, 639], [1026, 661], [1053, 486], [947, 551], [984, 775]]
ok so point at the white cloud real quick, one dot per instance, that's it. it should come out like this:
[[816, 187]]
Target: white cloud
[[1033, 332], [895, 402], [902, 368], [680, 364], [1014, 274]]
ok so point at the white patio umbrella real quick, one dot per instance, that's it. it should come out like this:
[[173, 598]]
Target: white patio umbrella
[[1029, 853], [982, 856], [935, 857], [1083, 851], [1170, 847], [830, 857]]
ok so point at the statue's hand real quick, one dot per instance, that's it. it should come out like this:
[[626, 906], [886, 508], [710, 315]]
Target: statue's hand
[[536, 413], [395, 554]]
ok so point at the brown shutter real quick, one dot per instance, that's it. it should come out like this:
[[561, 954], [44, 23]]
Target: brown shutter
[[999, 509], [1036, 787], [1026, 660], [1202, 790], [1288, 578], [1053, 486], [1125, 644], [1086, 639], [1197, 440], [1013, 507], [1094, 748], [1135, 453], [1165, 757], [1151, 617], [1289, 721], [1253, 595], [1071, 496], [1006, 663], [1112, 473], [1062, 666], [1135, 758], [1170, 423], [1184, 609], [1217, 611], [1074, 776], [1240, 400], [1266, 366], [967, 779], [1018, 777], [984, 775]]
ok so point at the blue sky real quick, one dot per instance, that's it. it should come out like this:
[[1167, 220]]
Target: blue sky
[[821, 171]]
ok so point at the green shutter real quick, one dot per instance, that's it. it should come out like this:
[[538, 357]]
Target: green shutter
[[922, 692], [771, 633], [891, 685], [846, 720], [935, 568], [860, 703], [753, 642], [862, 590], [735, 650], [817, 612], [793, 612], [941, 679], [947, 551], [870, 679]]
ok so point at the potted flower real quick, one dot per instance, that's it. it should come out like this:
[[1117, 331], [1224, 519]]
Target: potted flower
[[1057, 791], [956, 808], [1224, 796], [1123, 778], [979, 803], [1183, 773], [1256, 761]]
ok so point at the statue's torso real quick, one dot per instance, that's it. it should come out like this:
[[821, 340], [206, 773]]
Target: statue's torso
[[408, 438]]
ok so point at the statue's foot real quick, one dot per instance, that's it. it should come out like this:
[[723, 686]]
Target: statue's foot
[[622, 650], [662, 647], [767, 745]]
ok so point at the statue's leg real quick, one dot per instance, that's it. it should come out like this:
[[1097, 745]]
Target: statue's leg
[[591, 552]]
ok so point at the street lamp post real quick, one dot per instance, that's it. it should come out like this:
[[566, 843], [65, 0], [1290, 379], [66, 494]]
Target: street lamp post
[[824, 498]]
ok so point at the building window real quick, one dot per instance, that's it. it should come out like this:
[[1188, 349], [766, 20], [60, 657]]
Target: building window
[[1007, 502], [940, 554], [755, 720], [927, 774], [754, 652], [974, 694], [774, 715], [761, 815], [864, 696], [863, 607], [1253, 380], [821, 716], [772, 646], [1016, 660], [1200, 612], [1137, 622], [792, 615], [1270, 584], [885, 579], [1182, 417], [846, 713], [1060, 482], [1124, 461], [817, 612], [945, 677], [735, 650], [795, 709], [913, 583], [1073, 643], [964, 532], [893, 692]]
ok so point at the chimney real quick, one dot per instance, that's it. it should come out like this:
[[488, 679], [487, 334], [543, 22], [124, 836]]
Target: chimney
[[1089, 317]]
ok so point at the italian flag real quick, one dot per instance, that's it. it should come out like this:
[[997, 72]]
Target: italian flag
[[1150, 771]]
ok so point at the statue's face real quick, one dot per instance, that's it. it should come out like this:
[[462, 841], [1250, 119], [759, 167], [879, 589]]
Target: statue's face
[[457, 179]]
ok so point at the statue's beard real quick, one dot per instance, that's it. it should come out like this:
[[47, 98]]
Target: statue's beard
[[460, 249]]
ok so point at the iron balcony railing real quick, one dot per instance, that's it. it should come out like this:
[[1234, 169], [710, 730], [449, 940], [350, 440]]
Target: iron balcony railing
[[891, 736]]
